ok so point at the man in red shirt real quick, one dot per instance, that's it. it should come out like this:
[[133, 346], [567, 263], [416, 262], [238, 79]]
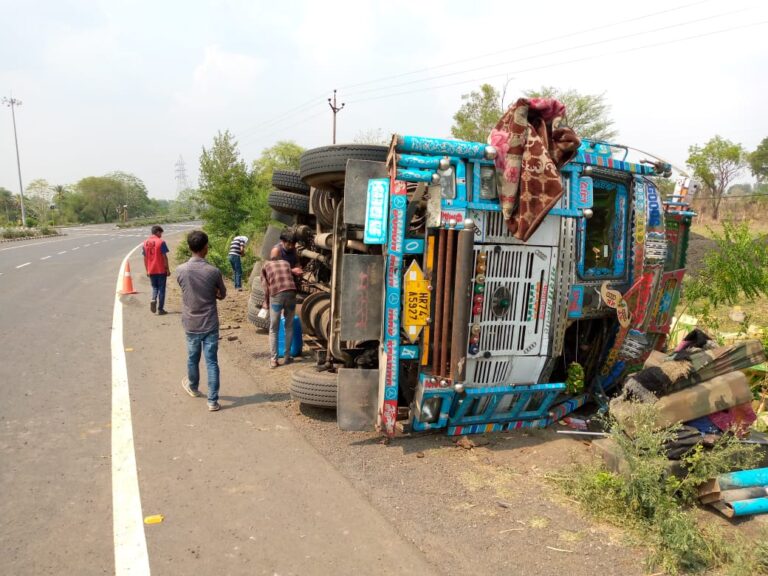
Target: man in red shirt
[[280, 299], [155, 252]]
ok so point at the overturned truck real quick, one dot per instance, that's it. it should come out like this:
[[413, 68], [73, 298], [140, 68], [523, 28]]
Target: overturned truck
[[464, 287]]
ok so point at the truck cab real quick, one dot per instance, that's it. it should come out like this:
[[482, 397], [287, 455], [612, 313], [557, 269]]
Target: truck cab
[[438, 317]]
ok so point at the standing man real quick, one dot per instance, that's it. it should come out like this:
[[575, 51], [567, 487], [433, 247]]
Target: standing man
[[155, 252], [286, 250], [236, 251], [201, 285], [279, 298]]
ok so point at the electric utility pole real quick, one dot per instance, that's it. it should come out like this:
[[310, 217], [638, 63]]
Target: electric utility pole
[[336, 110], [12, 102]]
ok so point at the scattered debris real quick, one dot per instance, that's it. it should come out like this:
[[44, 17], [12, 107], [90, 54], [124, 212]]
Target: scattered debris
[[419, 454], [504, 504], [154, 519], [743, 493], [232, 338], [465, 443], [560, 549]]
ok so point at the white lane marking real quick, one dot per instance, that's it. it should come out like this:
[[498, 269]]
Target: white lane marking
[[75, 248], [63, 252], [131, 556], [86, 246], [22, 265], [45, 258]]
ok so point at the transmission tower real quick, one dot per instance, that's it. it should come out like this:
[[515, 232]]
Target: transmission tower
[[181, 175]]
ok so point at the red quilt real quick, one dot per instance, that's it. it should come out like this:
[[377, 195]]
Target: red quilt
[[531, 149]]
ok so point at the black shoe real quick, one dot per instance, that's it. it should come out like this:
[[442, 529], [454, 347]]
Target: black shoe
[[161, 312], [153, 306]]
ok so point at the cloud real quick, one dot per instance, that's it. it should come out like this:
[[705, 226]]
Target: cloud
[[222, 78]]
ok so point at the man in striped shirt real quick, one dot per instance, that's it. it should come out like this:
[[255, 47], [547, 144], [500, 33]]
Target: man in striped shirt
[[236, 250], [279, 299]]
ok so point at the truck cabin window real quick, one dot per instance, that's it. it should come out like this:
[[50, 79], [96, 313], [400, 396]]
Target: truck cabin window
[[603, 238]]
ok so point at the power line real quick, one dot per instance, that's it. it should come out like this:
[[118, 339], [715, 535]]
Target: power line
[[526, 45], [553, 52], [309, 104], [563, 63], [283, 128], [315, 101]]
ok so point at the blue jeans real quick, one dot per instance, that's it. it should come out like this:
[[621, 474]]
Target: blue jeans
[[280, 304], [237, 268], [208, 344], [158, 289]]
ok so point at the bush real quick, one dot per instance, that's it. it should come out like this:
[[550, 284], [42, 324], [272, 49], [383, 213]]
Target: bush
[[655, 505]]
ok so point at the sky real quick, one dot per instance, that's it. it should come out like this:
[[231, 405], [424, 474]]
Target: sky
[[136, 85]]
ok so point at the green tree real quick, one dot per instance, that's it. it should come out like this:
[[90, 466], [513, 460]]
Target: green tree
[[189, 202], [478, 114], [372, 136], [587, 114], [284, 155], [133, 194], [225, 185], [104, 197], [716, 164], [39, 195], [758, 162], [39, 187], [9, 206]]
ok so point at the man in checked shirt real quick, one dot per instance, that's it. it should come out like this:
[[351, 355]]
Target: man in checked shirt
[[279, 298]]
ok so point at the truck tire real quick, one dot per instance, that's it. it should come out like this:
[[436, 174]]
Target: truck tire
[[287, 219], [288, 202], [314, 388], [326, 165], [307, 312], [290, 181], [257, 294], [271, 237], [254, 280], [262, 324]]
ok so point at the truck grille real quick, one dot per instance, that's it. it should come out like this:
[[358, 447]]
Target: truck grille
[[525, 273]]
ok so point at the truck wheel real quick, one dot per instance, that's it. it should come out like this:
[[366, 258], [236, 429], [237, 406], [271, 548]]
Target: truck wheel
[[288, 202], [262, 324], [287, 219], [326, 165], [257, 294], [314, 388], [308, 310], [290, 181]]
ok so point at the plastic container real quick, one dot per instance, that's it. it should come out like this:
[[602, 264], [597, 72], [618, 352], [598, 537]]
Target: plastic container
[[297, 342]]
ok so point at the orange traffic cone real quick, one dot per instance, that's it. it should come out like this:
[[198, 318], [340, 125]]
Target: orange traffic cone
[[127, 282]]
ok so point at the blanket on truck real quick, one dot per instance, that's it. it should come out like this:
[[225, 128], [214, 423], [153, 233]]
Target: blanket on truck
[[531, 149]]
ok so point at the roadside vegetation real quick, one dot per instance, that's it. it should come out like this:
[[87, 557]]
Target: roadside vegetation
[[233, 197], [732, 276], [656, 505]]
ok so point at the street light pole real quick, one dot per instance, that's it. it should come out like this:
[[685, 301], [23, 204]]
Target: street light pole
[[12, 102]]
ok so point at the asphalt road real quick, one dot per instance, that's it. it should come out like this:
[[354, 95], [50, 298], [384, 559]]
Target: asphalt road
[[240, 490]]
